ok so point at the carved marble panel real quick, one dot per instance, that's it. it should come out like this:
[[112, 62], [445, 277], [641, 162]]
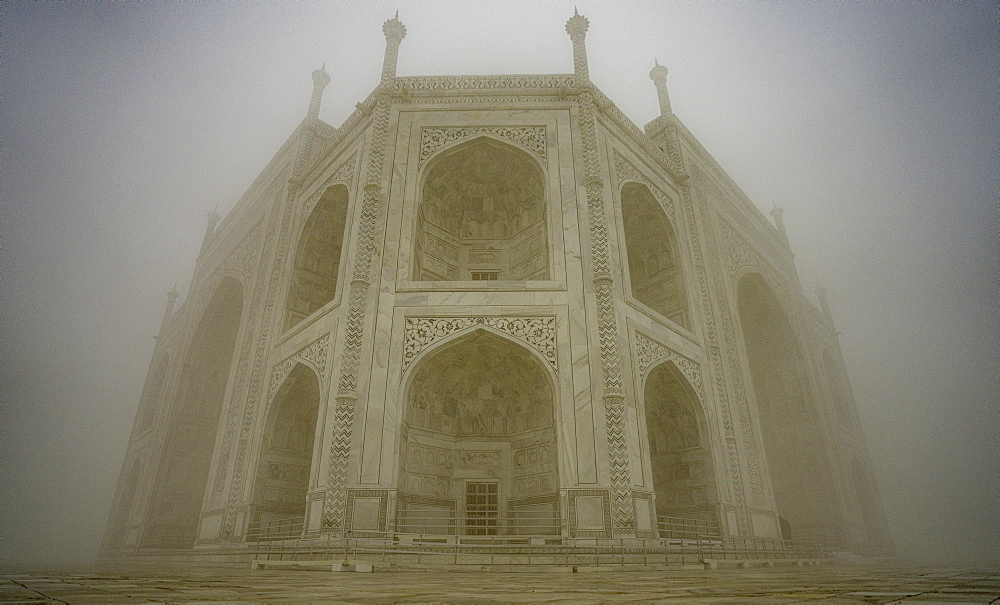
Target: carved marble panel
[[531, 138], [537, 332], [648, 351], [314, 355]]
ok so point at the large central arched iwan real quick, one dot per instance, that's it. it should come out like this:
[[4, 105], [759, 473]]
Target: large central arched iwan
[[194, 420], [789, 425], [478, 445], [482, 216]]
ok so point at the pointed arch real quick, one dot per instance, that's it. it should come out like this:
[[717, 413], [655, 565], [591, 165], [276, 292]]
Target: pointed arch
[[793, 443], [284, 466], [678, 442], [482, 215], [433, 348], [194, 419], [316, 266], [479, 413], [656, 274]]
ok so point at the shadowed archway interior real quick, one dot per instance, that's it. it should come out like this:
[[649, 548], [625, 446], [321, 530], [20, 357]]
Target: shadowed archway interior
[[478, 445], [679, 453], [180, 488], [286, 450], [317, 257], [482, 216], [654, 264], [800, 478]]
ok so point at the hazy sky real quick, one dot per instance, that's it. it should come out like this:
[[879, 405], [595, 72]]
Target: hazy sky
[[873, 124]]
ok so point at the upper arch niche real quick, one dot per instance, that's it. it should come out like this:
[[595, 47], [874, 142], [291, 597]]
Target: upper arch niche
[[482, 216], [654, 262], [317, 257]]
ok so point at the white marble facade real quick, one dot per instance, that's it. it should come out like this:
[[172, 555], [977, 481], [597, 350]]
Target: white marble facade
[[494, 292]]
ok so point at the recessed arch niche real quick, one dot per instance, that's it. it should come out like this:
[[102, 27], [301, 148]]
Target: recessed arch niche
[[194, 420], [679, 451], [789, 426], [654, 261], [316, 267], [482, 215], [479, 412], [286, 451]]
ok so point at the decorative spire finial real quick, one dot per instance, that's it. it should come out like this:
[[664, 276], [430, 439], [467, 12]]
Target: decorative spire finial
[[824, 304], [394, 28], [213, 220], [779, 221], [577, 27], [394, 31], [659, 77], [320, 80], [168, 311]]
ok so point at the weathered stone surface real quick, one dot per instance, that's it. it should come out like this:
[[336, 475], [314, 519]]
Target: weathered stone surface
[[828, 584]]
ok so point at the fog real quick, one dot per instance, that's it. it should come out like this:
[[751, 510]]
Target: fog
[[874, 125]]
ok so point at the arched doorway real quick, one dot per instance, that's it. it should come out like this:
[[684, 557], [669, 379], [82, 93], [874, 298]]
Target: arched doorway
[[482, 216], [194, 420], [796, 458], [679, 453], [478, 442], [286, 454], [317, 257], [654, 262]]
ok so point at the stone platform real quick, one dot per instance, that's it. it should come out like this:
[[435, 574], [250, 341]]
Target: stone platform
[[826, 584]]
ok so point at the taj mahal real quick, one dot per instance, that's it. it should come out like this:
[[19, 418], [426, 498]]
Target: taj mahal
[[492, 309]]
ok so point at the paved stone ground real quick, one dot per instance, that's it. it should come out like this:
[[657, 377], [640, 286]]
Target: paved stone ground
[[827, 585]]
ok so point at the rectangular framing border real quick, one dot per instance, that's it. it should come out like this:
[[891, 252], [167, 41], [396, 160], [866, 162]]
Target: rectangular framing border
[[652, 514], [574, 532], [406, 499], [383, 505], [553, 499]]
